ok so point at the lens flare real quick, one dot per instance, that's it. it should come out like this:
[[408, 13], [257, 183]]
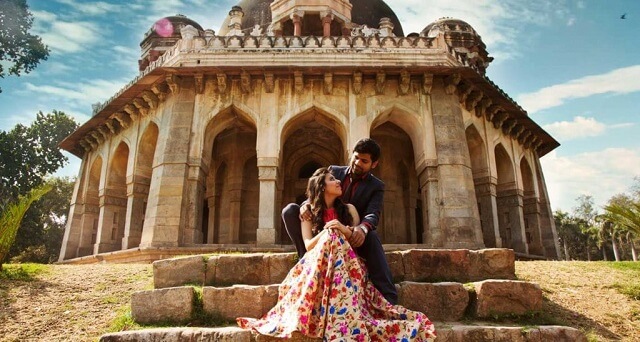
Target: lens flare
[[163, 27]]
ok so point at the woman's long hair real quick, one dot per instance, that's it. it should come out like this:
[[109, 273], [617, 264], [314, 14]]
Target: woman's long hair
[[315, 194]]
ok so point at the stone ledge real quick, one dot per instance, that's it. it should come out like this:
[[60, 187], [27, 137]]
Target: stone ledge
[[420, 265], [446, 333]]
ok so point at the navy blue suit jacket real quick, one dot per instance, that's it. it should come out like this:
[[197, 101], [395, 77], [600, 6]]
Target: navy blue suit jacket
[[367, 199]]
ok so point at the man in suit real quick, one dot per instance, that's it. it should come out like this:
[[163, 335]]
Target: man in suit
[[366, 193]]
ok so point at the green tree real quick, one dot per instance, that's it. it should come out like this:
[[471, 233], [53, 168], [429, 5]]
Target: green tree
[[11, 217], [19, 49], [573, 240], [40, 235], [627, 217], [29, 154], [585, 214]]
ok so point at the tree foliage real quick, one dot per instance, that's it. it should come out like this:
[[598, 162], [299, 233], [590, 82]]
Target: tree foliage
[[40, 235], [11, 217], [19, 48], [29, 154]]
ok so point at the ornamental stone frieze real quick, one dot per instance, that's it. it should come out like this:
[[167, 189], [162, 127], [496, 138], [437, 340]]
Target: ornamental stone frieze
[[151, 98], [113, 200], [91, 209], [267, 173], [172, 81], [451, 83]]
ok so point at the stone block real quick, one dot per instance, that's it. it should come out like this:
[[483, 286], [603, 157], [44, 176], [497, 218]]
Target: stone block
[[237, 301], [394, 259], [178, 272], [227, 334], [504, 297], [169, 304], [250, 269], [556, 334], [279, 266], [436, 265], [492, 263], [440, 302]]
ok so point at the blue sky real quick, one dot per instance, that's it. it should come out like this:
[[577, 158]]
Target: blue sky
[[574, 65]]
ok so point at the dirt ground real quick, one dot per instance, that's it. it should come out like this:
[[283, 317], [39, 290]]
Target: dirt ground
[[79, 303]]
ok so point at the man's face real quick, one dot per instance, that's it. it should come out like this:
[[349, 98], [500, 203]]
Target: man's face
[[361, 163]]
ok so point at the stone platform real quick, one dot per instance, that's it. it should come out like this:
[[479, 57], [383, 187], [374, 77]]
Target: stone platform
[[449, 286]]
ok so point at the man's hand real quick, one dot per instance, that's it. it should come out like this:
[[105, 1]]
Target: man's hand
[[357, 238], [305, 212]]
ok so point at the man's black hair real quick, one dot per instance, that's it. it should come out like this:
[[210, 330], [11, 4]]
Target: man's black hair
[[369, 146]]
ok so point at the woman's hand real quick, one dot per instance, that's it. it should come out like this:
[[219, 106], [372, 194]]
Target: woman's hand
[[336, 225]]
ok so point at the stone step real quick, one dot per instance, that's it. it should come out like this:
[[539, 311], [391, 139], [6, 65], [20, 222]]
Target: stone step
[[421, 265], [445, 301], [446, 333]]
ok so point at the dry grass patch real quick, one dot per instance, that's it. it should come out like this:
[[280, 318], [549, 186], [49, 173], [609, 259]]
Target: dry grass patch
[[82, 302]]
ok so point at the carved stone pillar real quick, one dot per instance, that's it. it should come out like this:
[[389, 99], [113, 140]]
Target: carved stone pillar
[[458, 218], [73, 229], [432, 234], [511, 220], [267, 175], [327, 18], [111, 222], [532, 225], [166, 208], [297, 24], [488, 210], [193, 199], [137, 193]]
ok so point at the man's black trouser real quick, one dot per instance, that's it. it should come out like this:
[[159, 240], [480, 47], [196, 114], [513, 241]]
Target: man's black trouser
[[371, 250]]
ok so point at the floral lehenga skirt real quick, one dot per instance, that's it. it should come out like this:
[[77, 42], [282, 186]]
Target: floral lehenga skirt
[[327, 294]]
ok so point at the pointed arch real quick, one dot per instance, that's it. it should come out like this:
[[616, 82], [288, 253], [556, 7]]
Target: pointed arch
[[396, 167], [229, 164], [90, 219], [309, 139], [406, 120], [314, 112]]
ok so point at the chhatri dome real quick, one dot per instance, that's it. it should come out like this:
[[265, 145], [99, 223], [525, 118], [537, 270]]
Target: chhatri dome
[[364, 12]]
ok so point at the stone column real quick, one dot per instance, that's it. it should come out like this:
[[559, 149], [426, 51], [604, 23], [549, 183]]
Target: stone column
[[268, 175], [432, 235], [488, 209], [548, 232], [458, 218], [167, 203], [194, 195], [512, 229], [297, 24], [326, 18], [73, 229], [137, 192], [532, 225], [111, 222]]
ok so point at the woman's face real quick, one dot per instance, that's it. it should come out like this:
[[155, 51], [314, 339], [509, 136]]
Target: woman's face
[[332, 185]]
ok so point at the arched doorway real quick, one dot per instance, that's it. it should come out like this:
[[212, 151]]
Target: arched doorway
[[310, 141], [399, 223]]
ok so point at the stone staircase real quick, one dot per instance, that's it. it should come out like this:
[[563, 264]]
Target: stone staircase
[[457, 289]]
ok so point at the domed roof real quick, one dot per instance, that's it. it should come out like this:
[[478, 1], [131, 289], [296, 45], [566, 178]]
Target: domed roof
[[448, 25], [463, 38], [364, 12], [170, 27]]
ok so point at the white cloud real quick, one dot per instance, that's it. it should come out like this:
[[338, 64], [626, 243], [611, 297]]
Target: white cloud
[[619, 81], [92, 8], [65, 36], [501, 24], [580, 127], [78, 96], [601, 174]]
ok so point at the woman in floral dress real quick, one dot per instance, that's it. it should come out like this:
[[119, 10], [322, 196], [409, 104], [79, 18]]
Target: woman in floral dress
[[327, 293]]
